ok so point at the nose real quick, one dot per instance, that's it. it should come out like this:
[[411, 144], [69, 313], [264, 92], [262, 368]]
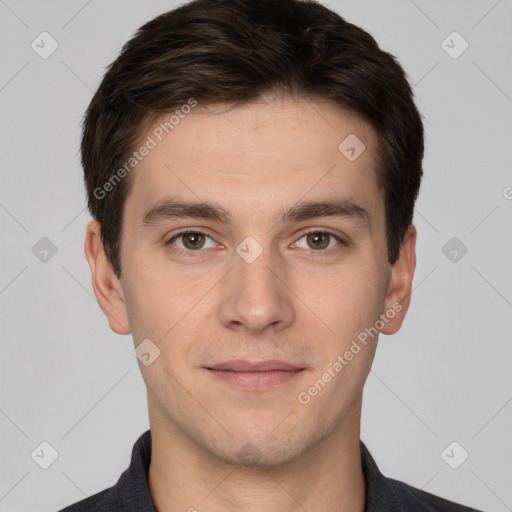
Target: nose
[[255, 298]]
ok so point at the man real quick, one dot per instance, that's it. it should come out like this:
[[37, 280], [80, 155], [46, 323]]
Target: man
[[252, 168]]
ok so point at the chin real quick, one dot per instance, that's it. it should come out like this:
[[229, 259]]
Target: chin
[[260, 447]]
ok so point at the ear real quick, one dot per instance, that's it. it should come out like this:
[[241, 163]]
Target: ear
[[106, 285], [400, 284]]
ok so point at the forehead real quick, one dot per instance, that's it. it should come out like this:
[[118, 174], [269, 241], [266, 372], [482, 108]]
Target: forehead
[[264, 156]]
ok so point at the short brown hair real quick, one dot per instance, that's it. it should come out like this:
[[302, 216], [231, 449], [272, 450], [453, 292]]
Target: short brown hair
[[235, 51]]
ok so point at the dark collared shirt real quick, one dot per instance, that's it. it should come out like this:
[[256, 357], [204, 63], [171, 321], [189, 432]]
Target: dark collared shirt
[[131, 492]]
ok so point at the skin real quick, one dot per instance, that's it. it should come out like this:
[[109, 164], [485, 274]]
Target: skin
[[295, 303]]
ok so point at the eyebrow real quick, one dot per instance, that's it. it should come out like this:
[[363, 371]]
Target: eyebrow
[[331, 208], [170, 208]]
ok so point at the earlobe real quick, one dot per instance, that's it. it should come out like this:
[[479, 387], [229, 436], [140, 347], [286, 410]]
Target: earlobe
[[106, 286], [400, 284]]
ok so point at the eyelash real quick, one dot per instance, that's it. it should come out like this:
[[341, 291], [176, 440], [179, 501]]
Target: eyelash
[[318, 253]]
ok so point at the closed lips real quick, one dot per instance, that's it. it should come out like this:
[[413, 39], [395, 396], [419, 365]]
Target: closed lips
[[261, 366]]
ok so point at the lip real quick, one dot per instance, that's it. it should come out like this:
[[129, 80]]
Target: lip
[[255, 376], [259, 366]]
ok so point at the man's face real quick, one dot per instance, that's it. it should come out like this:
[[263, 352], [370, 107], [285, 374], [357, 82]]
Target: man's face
[[273, 281]]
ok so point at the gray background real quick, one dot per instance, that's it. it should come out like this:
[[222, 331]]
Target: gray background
[[65, 378]]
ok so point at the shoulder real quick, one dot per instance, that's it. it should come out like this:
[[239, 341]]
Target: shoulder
[[131, 492], [101, 501], [385, 494], [411, 498]]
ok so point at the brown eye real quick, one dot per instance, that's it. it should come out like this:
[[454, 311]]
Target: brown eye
[[318, 240], [193, 240]]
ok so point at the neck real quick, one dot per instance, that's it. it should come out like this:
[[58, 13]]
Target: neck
[[328, 476]]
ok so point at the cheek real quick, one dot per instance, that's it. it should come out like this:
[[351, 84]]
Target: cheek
[[151, 300], [346, 302], [162, 301], [349, 306]]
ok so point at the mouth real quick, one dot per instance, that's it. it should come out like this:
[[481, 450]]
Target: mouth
[[255, 376]]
